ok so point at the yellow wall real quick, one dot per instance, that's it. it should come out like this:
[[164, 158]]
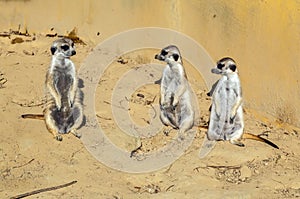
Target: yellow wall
[[263, 36]]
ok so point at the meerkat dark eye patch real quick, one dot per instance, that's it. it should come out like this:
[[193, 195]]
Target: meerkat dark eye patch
[[65, 47], [232, 67], [164, 52], [176, 57], [220, 66], [53, 49]]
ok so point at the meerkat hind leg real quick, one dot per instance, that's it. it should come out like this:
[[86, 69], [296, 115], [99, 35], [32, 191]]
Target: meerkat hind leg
[[237, 142], [167, 130], [75, 133], [56, 135], [166, 121], [50, 124], [186, 125]]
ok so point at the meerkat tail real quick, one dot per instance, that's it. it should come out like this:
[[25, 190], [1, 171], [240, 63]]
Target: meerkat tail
[[33, 116], [206, 145], [260, 139]]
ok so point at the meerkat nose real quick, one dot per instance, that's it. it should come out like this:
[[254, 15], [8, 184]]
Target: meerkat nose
[[73, 52]]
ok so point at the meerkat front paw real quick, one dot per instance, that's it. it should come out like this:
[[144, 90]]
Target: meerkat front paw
[[166, 104], [58, 137], [175, 101], [231, 120], [232, 117], [58, 105], [71, 103]]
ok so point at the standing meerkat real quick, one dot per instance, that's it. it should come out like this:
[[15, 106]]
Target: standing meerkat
[[175, 95], [226, 117], [63, 110]]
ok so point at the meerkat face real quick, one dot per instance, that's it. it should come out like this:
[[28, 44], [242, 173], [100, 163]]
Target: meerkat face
[[225, 66], [170, 53], [63, 47]]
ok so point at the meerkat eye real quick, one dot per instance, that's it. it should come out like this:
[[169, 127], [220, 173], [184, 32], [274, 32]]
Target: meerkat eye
[[176, 57], [163, 52], [220, 66], [53, 49], [232, 67], [65, 47]]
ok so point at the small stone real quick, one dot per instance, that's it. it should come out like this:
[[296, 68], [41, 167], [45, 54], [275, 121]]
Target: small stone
[[17, 40], [295, 185], [245, 172]]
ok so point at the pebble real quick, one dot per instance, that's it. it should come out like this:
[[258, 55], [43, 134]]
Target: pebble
[[245, 172]]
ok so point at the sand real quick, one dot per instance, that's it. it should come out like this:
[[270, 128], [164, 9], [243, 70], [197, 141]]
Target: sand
[[31, 159]]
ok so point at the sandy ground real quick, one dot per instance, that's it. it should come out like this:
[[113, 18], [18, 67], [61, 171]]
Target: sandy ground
[[31, 159]]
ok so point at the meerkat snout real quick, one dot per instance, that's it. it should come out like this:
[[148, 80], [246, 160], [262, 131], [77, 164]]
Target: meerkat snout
[[73, 52]]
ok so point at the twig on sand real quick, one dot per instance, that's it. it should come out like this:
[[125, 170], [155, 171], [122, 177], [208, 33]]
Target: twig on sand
[[30, 104], [217, 167], [23, 164], [43, 190]]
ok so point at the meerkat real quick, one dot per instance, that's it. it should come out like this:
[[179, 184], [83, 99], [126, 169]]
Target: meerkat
[[63, 110], [226, 117], [175, 95]]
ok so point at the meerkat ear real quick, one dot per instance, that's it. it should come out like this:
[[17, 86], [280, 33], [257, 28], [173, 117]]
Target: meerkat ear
[[232, 67], [176, 57], [53, 49]]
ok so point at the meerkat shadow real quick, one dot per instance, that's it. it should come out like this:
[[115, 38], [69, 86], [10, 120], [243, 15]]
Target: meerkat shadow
[[80, 83], [158, 81], [81, 98], [210, 93]]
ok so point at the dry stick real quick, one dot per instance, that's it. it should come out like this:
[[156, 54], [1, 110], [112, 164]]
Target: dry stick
[[216, 167], [167, 189], [43, 190], [28, 105], [14, 167], [105, 118]]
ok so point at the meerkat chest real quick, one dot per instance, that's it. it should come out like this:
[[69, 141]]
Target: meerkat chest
[[173, 74], [62, 65], [227, 89], [63, 79]]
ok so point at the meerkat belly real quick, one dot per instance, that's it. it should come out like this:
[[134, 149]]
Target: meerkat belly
[[185, 105], [230, 96], [172, 87], [63, 117], [64, 84]]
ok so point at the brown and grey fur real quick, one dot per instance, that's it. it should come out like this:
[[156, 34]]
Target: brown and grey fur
[[175, 94], [63, 110], [226, 117]]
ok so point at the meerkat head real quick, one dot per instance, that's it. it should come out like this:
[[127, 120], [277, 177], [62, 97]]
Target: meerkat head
[[64, 47], [168, 54], [225, 66]]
